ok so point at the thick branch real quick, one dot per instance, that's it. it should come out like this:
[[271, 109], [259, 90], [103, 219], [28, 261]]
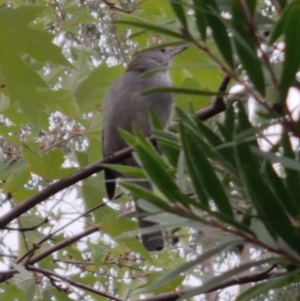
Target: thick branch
[[62, 184]]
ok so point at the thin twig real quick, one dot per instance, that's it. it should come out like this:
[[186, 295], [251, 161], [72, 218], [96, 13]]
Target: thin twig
[[48, 274]]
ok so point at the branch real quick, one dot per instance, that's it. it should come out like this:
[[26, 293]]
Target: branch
[[62, 184], [51, 274], [5, 275], [253, 277], [61, 245], [50, 235], [218, 105]]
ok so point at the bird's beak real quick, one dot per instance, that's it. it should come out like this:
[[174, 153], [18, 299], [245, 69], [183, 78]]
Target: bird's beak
[[173, 51]]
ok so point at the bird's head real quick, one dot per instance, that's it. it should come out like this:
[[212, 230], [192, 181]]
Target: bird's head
[[157, 58]]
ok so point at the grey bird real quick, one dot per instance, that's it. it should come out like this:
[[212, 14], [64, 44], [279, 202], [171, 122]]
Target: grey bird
[[125, 107]]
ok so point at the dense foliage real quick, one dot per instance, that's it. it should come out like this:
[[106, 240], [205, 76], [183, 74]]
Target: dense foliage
[[226, 188]]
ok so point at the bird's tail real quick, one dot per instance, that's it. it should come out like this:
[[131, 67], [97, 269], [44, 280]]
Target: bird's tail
[[152, 241]]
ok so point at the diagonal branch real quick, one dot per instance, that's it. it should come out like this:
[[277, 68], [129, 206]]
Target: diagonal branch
[[51, 274], [60, 185]]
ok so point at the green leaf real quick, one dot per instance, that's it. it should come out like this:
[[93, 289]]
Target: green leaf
[[279, 190], [280, 24], [219, 30], [266, 203], [292, 177], [251, 5], [270, 285], [185, 91], [291, 62], [60, 100], [170, 275], [200, 18], [203, 174], [17, 38], [246, 47], [216, 281], [179, 11], [147, 195], [126, 170], [91, 90], [156, 28], [154, 169], [24, 280]]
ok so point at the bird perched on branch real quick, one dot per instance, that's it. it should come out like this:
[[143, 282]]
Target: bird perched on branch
[[125, 107]]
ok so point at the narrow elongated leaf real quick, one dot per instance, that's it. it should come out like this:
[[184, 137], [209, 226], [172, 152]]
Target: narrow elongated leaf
[[292, 177], [251, 5], [166, 140], [204, 173], [291, 62], [280, 24], [246, 47], [203, 132], [216, 281], [157, 173], [195, 173], [283, 160], [126, 170], [219, 30], [266, 287], [276, 184], [147, 195], [267, 205], [179, 11], [155, 28], [185, 91], [189, 265], [282, 3], [200, 18]]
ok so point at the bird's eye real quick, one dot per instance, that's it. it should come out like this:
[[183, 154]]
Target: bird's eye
[[163, 50]]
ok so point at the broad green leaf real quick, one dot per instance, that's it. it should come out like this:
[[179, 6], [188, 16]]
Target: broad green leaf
[[115, 226], [90, 92], [60, 100], [24, 280], [17, 38]]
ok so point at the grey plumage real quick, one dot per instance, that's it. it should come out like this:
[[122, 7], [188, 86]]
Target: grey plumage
[[125, 107]]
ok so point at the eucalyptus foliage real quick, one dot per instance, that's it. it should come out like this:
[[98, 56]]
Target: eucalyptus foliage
[[222, 186]]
